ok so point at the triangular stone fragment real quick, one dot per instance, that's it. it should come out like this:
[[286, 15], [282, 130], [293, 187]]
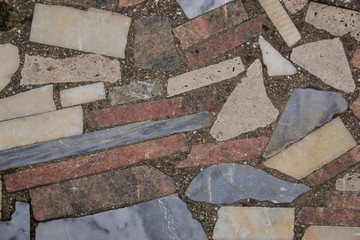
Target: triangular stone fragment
[[326, 60], [247, 108], [305, 110]]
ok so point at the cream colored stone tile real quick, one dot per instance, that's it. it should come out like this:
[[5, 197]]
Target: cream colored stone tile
[[82, 94], [295, 5], [9, 63], [332, 233], [350, 182]]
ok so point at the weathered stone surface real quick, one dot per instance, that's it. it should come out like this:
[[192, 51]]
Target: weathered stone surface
[[103, 4], [329, 217], [331, 233], [95, 30], [281, 20], [19, 226], [9, 63], [243, 223], [40, 128], [205, 76], [211, 23], [128, 3], [99, 140], [305, 110], [355, 107], [355, 61], [230, 151], [326, 60], [275, 63], [230, 182], [83, 94], [344, 200], [314, 151], [149, 110], [154, 46], [136, 90], [193, 9], [35, 101], [350, 182], [294, 5], [247, 108], [83, 68], [227, 41], [165, 218], [94, 163], [335, 167], [109, 189]]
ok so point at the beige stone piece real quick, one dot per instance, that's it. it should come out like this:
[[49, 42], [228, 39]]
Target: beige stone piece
[[9, 63], [95, 30], [42, 127], [83, 68], [314, 151], [32, 102], [205, 76], [295, 5], [260, 223], [332, 233], [281, 20], [247, 108], [350, 182], [83, 94]]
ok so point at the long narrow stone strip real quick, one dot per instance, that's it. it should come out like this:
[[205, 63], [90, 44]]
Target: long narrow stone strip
[[83, 94], [331, 233], [329, 217], [103, 139], [344, 200]]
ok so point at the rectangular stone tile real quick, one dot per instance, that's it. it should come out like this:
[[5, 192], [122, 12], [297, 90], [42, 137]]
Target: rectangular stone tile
[[205, 76], [27, 103], [99, 192], [331, 233], [193, 9], [149, 110], [344, 200], [334, 167], [210, 23], [314, 151], [103, 4], [40, 128], [95, 30], [94, 163], [350, 182], [355, 107], [329, 217], [82, 94], [226, 41], [99, 140]]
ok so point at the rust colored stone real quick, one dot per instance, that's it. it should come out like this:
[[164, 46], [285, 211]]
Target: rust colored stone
[[94, 163], [355, 107], [355, 61], [128, 3], [99, 192], [329, 217], [223, 152], [344, 200]]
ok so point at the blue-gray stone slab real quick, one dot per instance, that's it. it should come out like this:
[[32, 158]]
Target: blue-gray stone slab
[[305, 110], [167, 218], [19, 226], [99, 140], [229, 182], [194, 8]]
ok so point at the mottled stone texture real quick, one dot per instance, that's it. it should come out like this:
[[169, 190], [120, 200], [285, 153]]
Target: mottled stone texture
[[355, 61], [101, 191], [128, 3], [154, 46], [230, 151], [350, 182], [193, 9], [103, 4], [331, 233], [344, 200], [9, 63], [19, 226], [294, 5], [329, 217], [82, 94], [355, 107]]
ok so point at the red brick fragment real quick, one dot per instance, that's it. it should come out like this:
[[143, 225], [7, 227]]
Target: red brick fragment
[[329, 217], [128, 3], [149, 110], [355, 61], [94, 163], [223, 152], [355, 107], [344, 200]]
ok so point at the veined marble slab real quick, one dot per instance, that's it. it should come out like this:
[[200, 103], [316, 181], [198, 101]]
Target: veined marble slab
[[332, 233], [19, 226], [95, 30], [193, 9], [82, 94], [9, 63]]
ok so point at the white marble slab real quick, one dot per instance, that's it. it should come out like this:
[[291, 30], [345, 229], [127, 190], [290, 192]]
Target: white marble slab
[[9, 63], [196, 8], [82, 94]]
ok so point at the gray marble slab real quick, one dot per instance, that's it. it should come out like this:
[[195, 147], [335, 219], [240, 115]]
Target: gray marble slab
[[305, 110], [166, 218], [19, 226], [194, 8], [229, 182], [99, 140]]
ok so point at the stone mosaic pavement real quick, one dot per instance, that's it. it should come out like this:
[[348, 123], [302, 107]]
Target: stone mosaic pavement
[[180, 119]]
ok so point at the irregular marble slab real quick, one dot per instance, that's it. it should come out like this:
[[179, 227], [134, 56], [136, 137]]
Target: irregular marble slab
[[135, 91], [9, 63], [305, 110], [82, 94], [40, 128], [247, 108], [164, 218], [230, 182], [35, 101], [281, 20], [294, 5], [326, 60], [95, 30], [205, 76], [314, 151], [83, 68], [350, 182], [275, 63], [331, 233], [260, 223], [196, 8], [19, 226], [98, 140]]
